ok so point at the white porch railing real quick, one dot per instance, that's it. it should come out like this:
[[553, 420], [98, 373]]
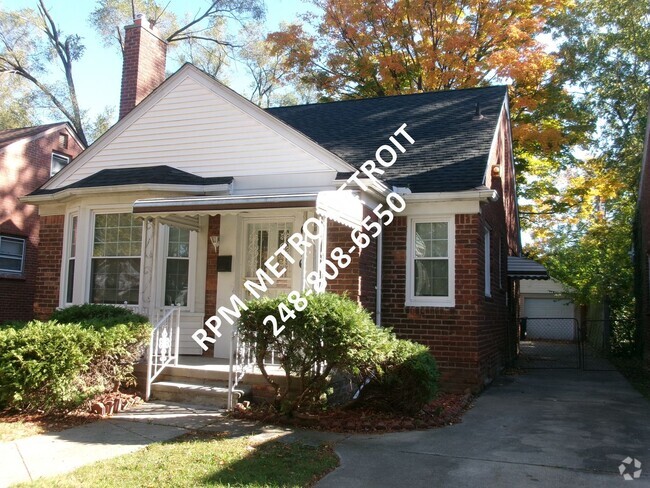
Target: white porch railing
[[242, 361], [164, 343]]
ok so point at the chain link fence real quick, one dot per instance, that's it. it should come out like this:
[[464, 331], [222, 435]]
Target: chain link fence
[[550, 343]]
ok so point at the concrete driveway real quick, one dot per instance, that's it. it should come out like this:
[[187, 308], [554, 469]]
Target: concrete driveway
[[545, 428]]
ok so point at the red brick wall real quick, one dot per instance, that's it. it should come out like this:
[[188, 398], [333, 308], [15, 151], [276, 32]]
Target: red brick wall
[[24, 167], [143, 69], [469, 339], [50, 253], [359, 279], [211, 277]]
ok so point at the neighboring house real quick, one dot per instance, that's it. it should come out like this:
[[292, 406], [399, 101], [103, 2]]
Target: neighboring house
[[548, 312], [193, 190], [642, 251], [28, 157]]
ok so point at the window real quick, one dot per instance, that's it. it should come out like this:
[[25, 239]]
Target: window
[[178, 267], [431, 263], [63, 140], [58, 163], [488, 277], [12, 254], [115, 266], [72, 253]]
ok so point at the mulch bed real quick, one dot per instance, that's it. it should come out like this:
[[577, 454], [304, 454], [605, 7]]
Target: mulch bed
[[446, 409]]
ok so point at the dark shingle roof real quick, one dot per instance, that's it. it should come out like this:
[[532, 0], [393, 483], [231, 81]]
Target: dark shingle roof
[[8, 136], [161, 175], [451, 149]]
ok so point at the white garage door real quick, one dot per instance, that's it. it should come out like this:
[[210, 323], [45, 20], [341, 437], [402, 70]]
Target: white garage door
[[549, 319]]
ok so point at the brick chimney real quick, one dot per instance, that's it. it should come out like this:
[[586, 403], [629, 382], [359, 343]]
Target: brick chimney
[[144, 63]]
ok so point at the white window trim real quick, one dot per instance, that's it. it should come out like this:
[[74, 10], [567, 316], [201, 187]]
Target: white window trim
[[161, 265], [68, 256], [12, 272], [89, 252], [411, 299], [54, 153], [487, 261]]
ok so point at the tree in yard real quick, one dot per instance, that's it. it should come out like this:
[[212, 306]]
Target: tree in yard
[[584, 221], [34, 48]]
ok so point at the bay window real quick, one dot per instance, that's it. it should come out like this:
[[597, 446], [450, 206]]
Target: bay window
[[116, 258]]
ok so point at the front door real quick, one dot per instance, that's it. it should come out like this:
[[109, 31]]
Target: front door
[[262, 239]]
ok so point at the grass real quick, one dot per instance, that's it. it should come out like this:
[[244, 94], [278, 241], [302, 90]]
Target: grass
[[17, 426], [205, 459], [10, 431], [636, 374]]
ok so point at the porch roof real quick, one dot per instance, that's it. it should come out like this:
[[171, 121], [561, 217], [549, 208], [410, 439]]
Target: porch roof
[[214, 204], [521, 268]]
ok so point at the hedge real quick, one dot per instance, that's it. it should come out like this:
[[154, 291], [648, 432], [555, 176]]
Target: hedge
[[55, 366]]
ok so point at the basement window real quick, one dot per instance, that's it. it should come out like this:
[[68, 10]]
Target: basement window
[[59, 161]]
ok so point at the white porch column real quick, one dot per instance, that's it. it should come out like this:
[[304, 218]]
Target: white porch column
[[147, 280]]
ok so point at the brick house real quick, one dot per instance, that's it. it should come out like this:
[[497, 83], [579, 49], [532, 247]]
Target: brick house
[[642, 252], [194, 188], [28, 157]]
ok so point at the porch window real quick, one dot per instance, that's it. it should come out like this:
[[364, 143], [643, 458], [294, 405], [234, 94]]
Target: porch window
[[12, 254], [72, 253], [115, 267], [431, 264], [178, 267]]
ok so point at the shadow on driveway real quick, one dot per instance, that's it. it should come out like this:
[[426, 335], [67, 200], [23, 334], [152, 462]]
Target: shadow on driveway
[[544, 428]]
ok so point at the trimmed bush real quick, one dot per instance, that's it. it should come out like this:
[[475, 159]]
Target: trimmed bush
[[407, 381], [333, 333], [52, 366], [97, 315]]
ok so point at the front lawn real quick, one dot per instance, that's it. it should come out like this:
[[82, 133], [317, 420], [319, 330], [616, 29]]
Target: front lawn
[[17, 426], [205, 459]]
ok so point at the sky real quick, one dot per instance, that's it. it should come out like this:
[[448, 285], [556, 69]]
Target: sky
[[98, 73]]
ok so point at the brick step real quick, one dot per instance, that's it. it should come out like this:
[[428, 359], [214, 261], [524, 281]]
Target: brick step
[[215, 395]]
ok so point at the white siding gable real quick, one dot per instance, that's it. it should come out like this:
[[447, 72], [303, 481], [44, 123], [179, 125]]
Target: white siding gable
[[197, 125]]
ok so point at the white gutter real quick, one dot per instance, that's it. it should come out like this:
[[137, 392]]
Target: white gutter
[[380, 245], [73, 192], [482, 194]]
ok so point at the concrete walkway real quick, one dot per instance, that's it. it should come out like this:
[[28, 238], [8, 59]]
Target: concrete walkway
[[60, 452], [546, 428]]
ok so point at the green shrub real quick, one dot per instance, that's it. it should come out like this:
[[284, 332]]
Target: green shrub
[[97, 315], [330, 332], [333, 333], [407, 379], [51, 366]]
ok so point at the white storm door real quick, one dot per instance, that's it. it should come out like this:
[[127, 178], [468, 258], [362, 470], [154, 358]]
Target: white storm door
[[262, 239]]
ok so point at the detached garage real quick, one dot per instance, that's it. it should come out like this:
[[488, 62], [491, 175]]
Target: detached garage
[[548, 314]]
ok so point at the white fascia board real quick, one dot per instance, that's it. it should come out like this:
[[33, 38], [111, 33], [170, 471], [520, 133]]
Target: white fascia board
[[74, 192], [495, 140]]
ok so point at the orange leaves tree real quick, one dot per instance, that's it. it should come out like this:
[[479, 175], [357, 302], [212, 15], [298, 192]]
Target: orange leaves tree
[[368, 48]]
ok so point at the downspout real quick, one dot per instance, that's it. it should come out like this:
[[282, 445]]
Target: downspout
[[380, 246]]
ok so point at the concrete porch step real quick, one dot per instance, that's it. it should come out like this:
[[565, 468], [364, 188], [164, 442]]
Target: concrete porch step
[[214, 395]]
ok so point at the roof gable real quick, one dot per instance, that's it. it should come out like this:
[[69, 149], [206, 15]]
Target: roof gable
[[9, 136], [452, 145], [194, 123]]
